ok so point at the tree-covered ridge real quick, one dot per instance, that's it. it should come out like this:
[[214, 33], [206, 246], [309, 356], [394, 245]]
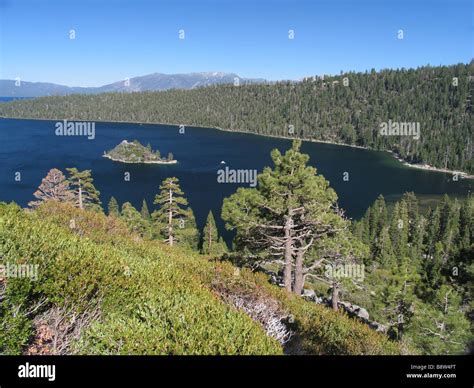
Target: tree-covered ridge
[[349, 108], [420, 271], [135, 152]]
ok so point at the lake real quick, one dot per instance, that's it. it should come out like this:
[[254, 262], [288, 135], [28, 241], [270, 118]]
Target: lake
[[32, 148]]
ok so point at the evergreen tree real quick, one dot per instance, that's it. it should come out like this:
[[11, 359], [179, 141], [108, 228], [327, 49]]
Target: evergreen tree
[[432, 234], [380, 210], [291, 209], [398, 297], [399, 229], [366, 226], [411, 203], [133, 219], [144, 211], [449, 222], [466, 223], [442, 328], [54, 187], [85, 195], [383, 249], [432, 277], [223, 248], [416, 245], [210, 236], [171, 211], [444, 215], [187, 233], [113, 207]]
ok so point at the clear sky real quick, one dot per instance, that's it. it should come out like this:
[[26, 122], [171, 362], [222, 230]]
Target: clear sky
[[116, 39]]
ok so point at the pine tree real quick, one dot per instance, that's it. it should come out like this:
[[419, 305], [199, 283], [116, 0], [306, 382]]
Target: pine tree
[[364, 233], [211, 243], [144, 211], [54, 187], [210, 235], [377, 218], [433, 230], [383, 249], [86, 196], [466, 223], [283, 218], [412, 209], [416, 246], [222, 247], [171, 211], [380, 208], [432, 277], [444, 216], [449, 222], [133, 219], [399, 229], [113, 207], [442, 328], [187, 233], [398, 297], [336, 252]]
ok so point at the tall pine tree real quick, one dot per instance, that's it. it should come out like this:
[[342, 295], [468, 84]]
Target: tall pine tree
[[54, 187], [172, 211], [86, 196]]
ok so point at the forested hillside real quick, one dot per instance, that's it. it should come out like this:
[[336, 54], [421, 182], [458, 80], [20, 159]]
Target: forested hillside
[[420, 267], [349, 108], [102, 289]]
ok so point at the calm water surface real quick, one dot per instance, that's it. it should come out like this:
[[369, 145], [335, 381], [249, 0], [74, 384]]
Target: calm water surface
[[32, 148]]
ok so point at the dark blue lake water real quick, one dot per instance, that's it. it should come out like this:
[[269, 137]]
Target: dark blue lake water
[[32, 148]]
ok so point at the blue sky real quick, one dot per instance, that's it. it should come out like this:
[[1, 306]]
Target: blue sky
[[116, 39]]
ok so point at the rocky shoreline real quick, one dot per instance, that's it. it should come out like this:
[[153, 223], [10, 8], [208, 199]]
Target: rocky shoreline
[[143, 162]]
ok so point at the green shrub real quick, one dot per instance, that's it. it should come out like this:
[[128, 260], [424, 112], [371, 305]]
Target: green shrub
[[149, 304]]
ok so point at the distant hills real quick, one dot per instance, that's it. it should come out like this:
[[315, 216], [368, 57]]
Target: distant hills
[[150, 82]]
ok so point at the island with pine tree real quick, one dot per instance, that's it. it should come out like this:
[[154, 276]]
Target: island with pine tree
[[135, 152]]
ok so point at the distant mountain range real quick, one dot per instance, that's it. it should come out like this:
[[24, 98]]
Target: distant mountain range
[[150, 82]]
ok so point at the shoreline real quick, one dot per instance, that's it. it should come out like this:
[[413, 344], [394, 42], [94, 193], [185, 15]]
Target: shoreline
[[425, 167], [144, 162]]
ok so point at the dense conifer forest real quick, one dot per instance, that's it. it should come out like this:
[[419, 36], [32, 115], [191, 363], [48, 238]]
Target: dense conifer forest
[[348, 108]]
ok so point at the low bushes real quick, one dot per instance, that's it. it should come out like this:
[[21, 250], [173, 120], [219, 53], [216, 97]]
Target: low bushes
[[148, 304]]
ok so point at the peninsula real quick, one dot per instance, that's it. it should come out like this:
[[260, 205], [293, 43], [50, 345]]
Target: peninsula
[[134, 152]]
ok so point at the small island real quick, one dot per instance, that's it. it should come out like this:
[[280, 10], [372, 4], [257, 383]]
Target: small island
[[134, 152]]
